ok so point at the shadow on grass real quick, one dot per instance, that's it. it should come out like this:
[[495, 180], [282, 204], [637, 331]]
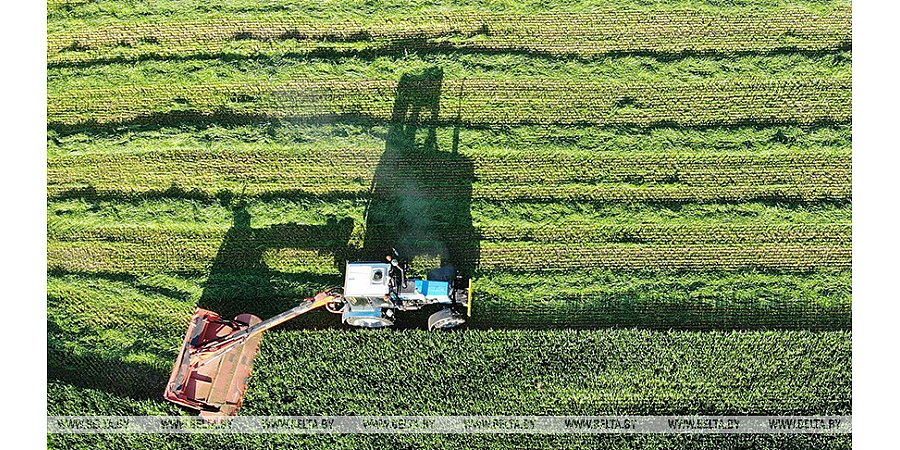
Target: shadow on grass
[[240, 281], [421, 195], [91, 194], [159, 120], [100, 372]]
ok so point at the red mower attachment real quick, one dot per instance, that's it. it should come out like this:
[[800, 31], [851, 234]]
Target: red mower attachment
[[216, 359]]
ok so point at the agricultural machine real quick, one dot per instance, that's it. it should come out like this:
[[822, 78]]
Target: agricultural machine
[[213, 368]]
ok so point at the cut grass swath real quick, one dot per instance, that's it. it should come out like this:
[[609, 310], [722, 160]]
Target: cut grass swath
[[597, 33], [470, 102], [485, 174]]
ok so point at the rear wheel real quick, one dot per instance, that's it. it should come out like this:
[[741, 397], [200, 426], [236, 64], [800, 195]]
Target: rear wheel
[[445, 319], [335, 307]]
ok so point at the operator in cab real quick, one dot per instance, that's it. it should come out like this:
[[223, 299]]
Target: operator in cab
[[397, 274]]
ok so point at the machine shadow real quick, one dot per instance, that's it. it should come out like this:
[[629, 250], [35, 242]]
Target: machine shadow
[[421, 195], [241, 280], [108, 373], [419, 205]]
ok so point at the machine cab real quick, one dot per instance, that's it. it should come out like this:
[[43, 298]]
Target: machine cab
[[366, 284]]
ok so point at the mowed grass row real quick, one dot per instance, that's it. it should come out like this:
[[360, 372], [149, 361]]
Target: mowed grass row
[[304, 167], [301, 138], [509, 192], [109, 321], [469, 102], [61, 12], [310, 224], [491, 175], [294, 248], [551, 232], [200, 216], [173, 256], [271, 67], [292, 241], [565, 257], [586, 299], [585, 34]]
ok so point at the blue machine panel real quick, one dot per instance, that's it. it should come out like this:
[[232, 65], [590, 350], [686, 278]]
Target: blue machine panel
[[439, 290]]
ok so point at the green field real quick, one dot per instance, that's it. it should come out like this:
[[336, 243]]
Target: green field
[[653, 198]]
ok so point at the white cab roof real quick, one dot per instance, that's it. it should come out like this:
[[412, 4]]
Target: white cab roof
[[366, 280]]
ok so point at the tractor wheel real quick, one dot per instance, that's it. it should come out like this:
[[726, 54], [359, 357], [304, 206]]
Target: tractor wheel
[[335, 307], [369, 322], [445, 319]]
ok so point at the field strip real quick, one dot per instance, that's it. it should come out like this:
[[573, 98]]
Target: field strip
[[614, 69], [140, 330], [590, 299], [585, 34], [80, 215], [521, 371], [197, 257], [806, 176], [826, 191], [501, 312], [527, 256], [663, 300], [299, 167], [496, 192], [141, 319], [67, 12], [572, 192], [471, 102], [518, 372], [493, 231], [361, 142]]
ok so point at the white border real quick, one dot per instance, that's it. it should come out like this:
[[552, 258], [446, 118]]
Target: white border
[[24, 249], [875, 189], [876, 144]]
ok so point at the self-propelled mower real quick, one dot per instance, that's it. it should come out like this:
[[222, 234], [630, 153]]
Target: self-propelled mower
[[215, 362]]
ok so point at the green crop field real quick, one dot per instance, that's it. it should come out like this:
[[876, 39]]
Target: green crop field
[[652, 197]]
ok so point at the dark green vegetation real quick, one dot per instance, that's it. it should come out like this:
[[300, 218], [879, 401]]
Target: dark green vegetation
[[556, 373], [672, 179]]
